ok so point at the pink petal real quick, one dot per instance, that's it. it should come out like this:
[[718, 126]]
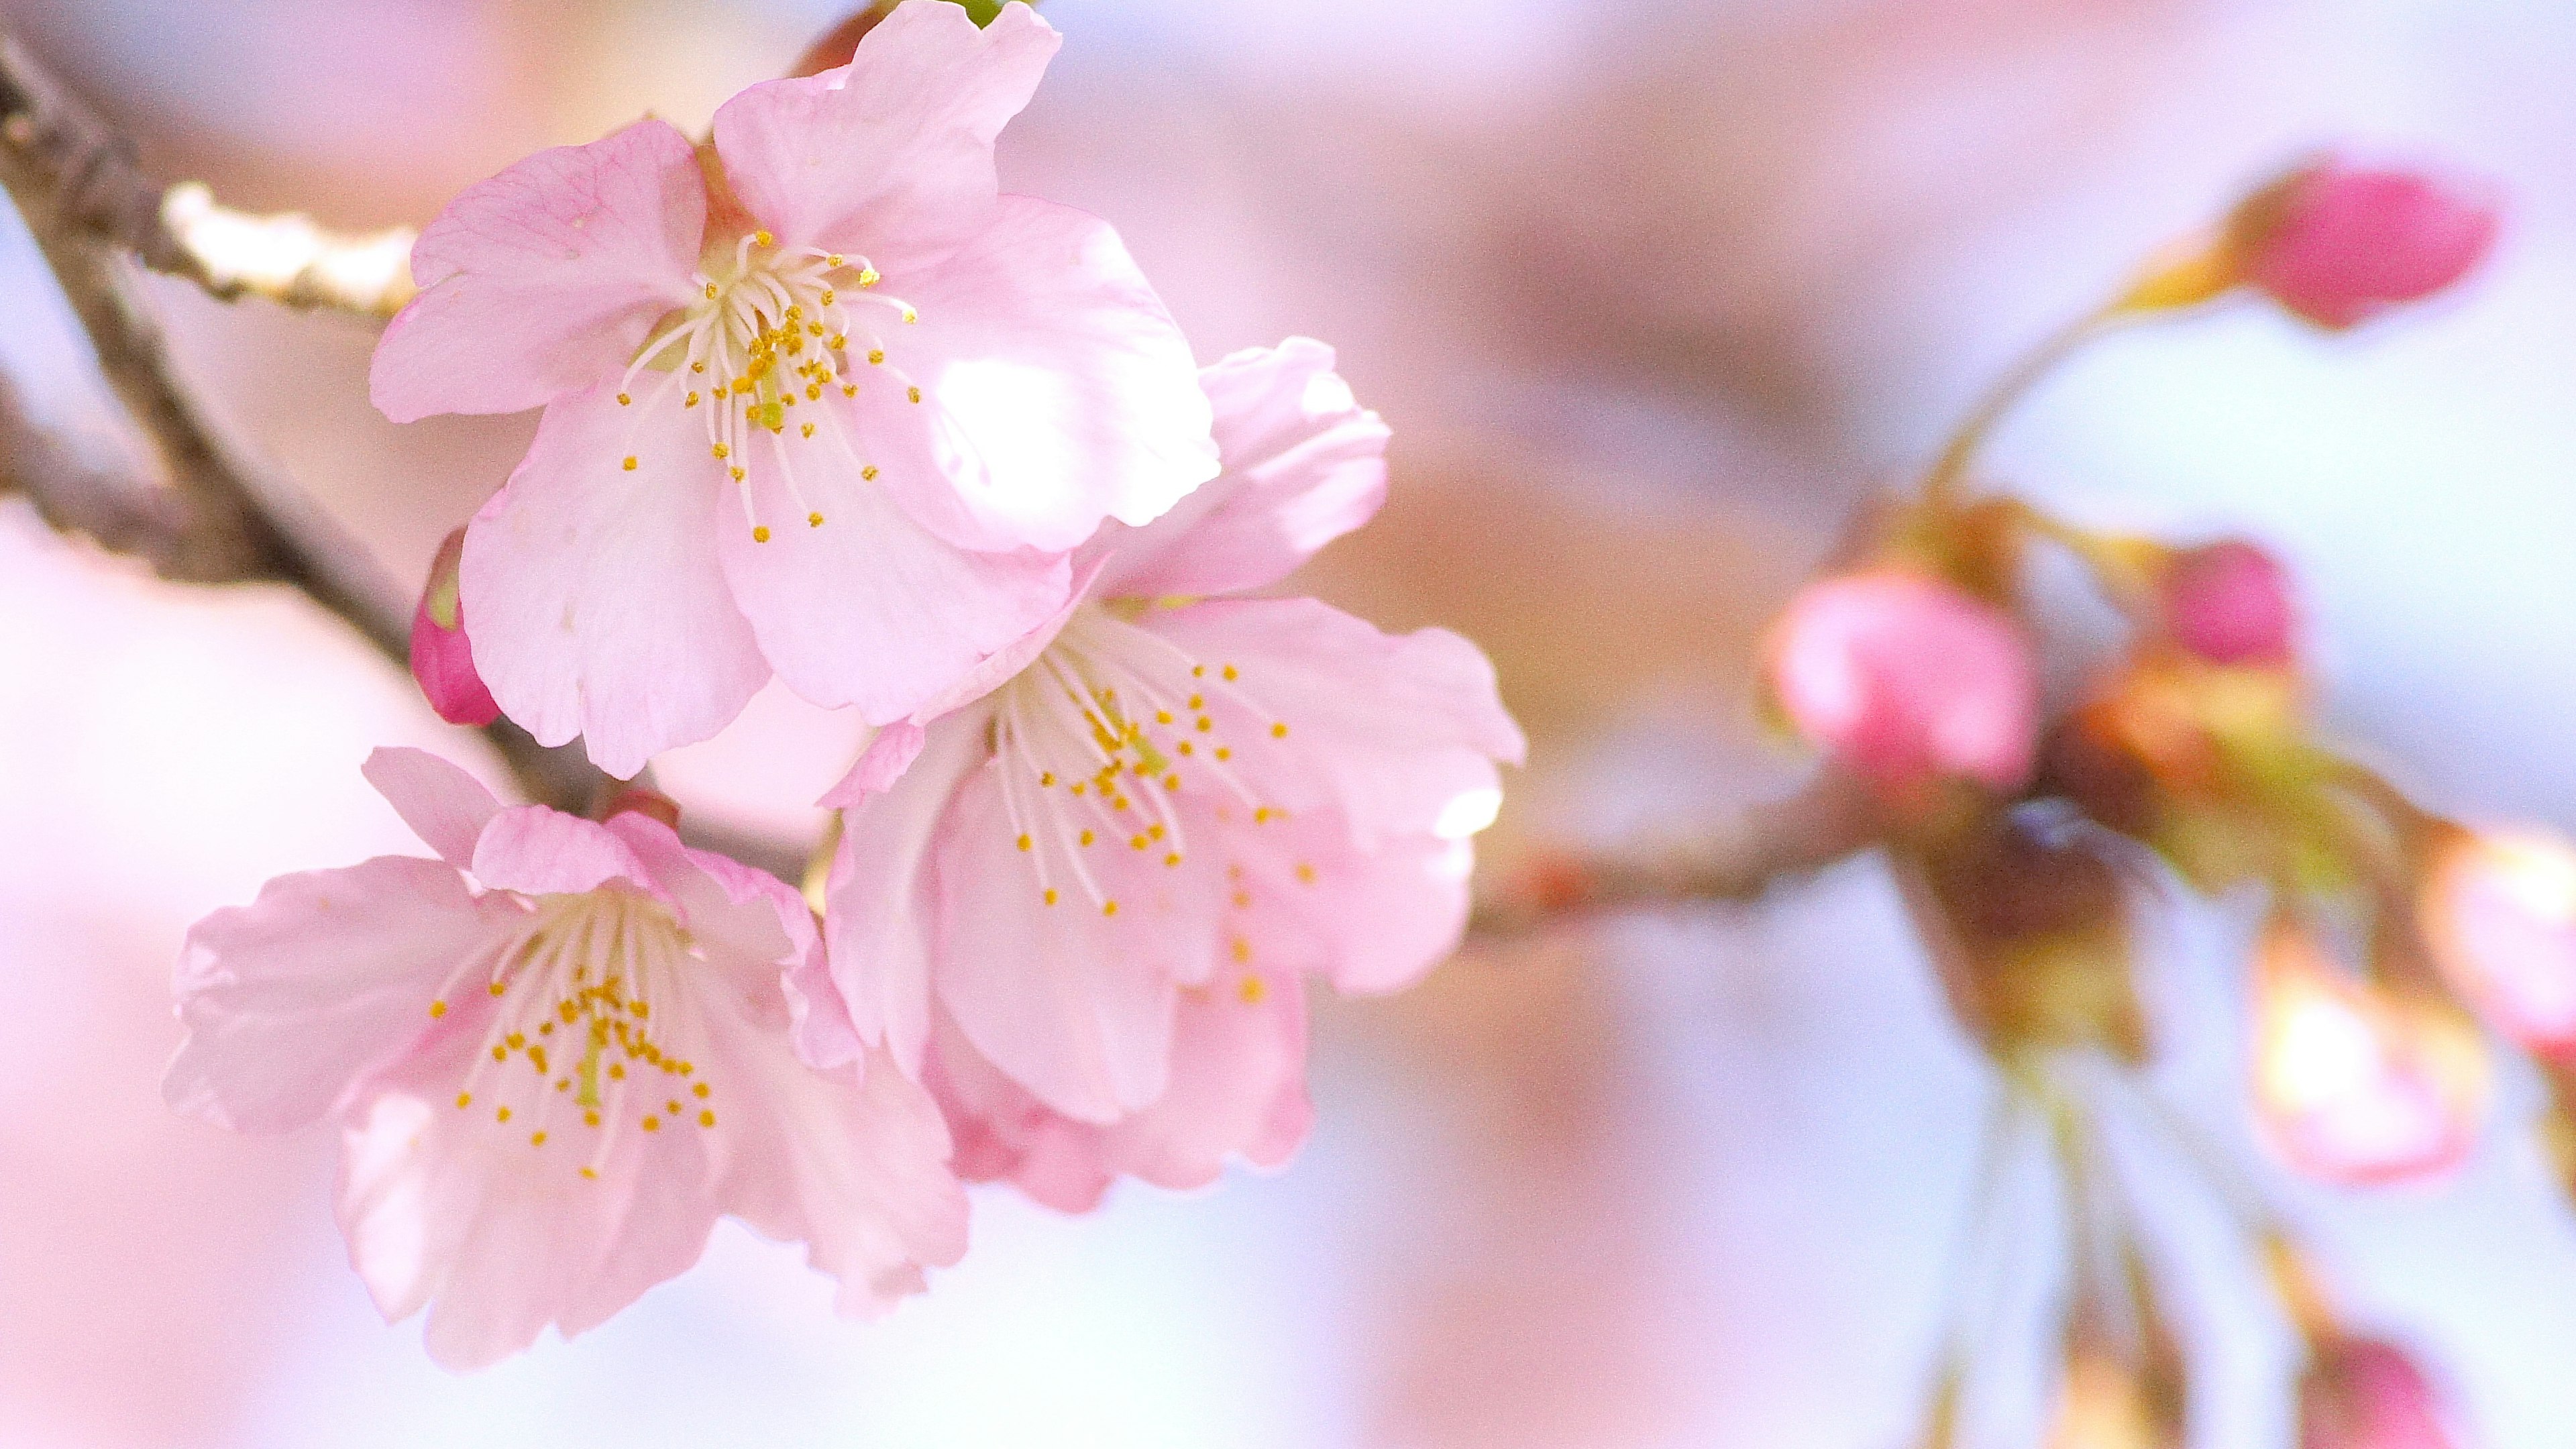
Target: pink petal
[[852, 1162], [447, 1208], [1056, 389], [446, 807], [1238, 1085], [1070, 1001], [600, 608], [289, 1001], [882, 921], [442, 658], [1004, 664], [1004, 1134], [542, 852], [1372, 921], [890, 157], [1238, 1090], [867, 608], [1304, 464], [1397, 732], [545, 279], [890, 752], [744, 919]]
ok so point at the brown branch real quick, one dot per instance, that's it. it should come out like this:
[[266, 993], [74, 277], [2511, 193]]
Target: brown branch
[[1832, 818], [100, 190], [220, 515]]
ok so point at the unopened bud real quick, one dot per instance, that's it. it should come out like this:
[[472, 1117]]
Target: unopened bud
[[2358, 1085], [2229, 603], [2337, 244], [2362, 1393], [2499, 912], [1906, 679], [442, 660]]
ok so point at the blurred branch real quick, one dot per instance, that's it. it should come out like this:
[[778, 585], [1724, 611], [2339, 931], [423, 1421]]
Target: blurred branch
[[1833, 817], [221, 515], [100, 190]]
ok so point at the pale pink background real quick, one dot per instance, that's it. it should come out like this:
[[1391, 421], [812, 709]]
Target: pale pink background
[[1652, 293]]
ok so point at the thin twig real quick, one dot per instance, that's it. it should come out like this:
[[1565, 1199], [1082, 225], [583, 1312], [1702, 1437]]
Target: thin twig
[[1833, 817], [220, 515], [102, 191]]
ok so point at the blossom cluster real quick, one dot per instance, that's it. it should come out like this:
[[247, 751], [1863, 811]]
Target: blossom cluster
[[822, 404], [2032, 814]]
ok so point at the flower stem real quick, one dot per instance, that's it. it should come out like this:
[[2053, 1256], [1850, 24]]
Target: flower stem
[[1943, 484]]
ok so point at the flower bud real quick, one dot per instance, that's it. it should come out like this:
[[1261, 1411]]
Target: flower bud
[[2499, 912], [2337, 244], [1906, 679], [2229, 602], [2361, 1393], [441, 659], [2354, 1084], [2039, 946]]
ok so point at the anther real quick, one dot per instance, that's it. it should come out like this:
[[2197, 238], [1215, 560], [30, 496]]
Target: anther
[[760, 534], [437, 1009], [630, 463], [813, 520], [912, 393], [1108, 908]]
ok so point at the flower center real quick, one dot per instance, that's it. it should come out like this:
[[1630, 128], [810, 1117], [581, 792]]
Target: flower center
[[1101, 737], [776, 329], [590, 998]]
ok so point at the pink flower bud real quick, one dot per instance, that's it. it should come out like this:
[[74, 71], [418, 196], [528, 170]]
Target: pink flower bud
[[2361, 1393], [2337, 244], [1905, 678], [441, 659], [2230, 603], [2499, 912], [2354, 1085]]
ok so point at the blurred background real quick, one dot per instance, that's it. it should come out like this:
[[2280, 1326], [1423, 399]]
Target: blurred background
[[1654, 295]]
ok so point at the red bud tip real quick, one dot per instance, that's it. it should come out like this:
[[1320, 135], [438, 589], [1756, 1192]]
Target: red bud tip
[[2338, 244], [442, 660]]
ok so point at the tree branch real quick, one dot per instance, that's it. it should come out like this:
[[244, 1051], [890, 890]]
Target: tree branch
[[101, 190], [220, 515], [1830, 819]]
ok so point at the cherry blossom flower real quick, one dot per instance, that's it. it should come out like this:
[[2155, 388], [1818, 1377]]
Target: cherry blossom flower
[[1905, 678], [819, 400], [1154, 813], [2230, 602], [1237, 1089], [2358, 1086], [556, 1056], [2337, 243], [2500, 914], [442, 659], [2362, 1393]]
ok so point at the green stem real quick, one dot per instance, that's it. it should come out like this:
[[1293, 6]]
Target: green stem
[[1942, 485]]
